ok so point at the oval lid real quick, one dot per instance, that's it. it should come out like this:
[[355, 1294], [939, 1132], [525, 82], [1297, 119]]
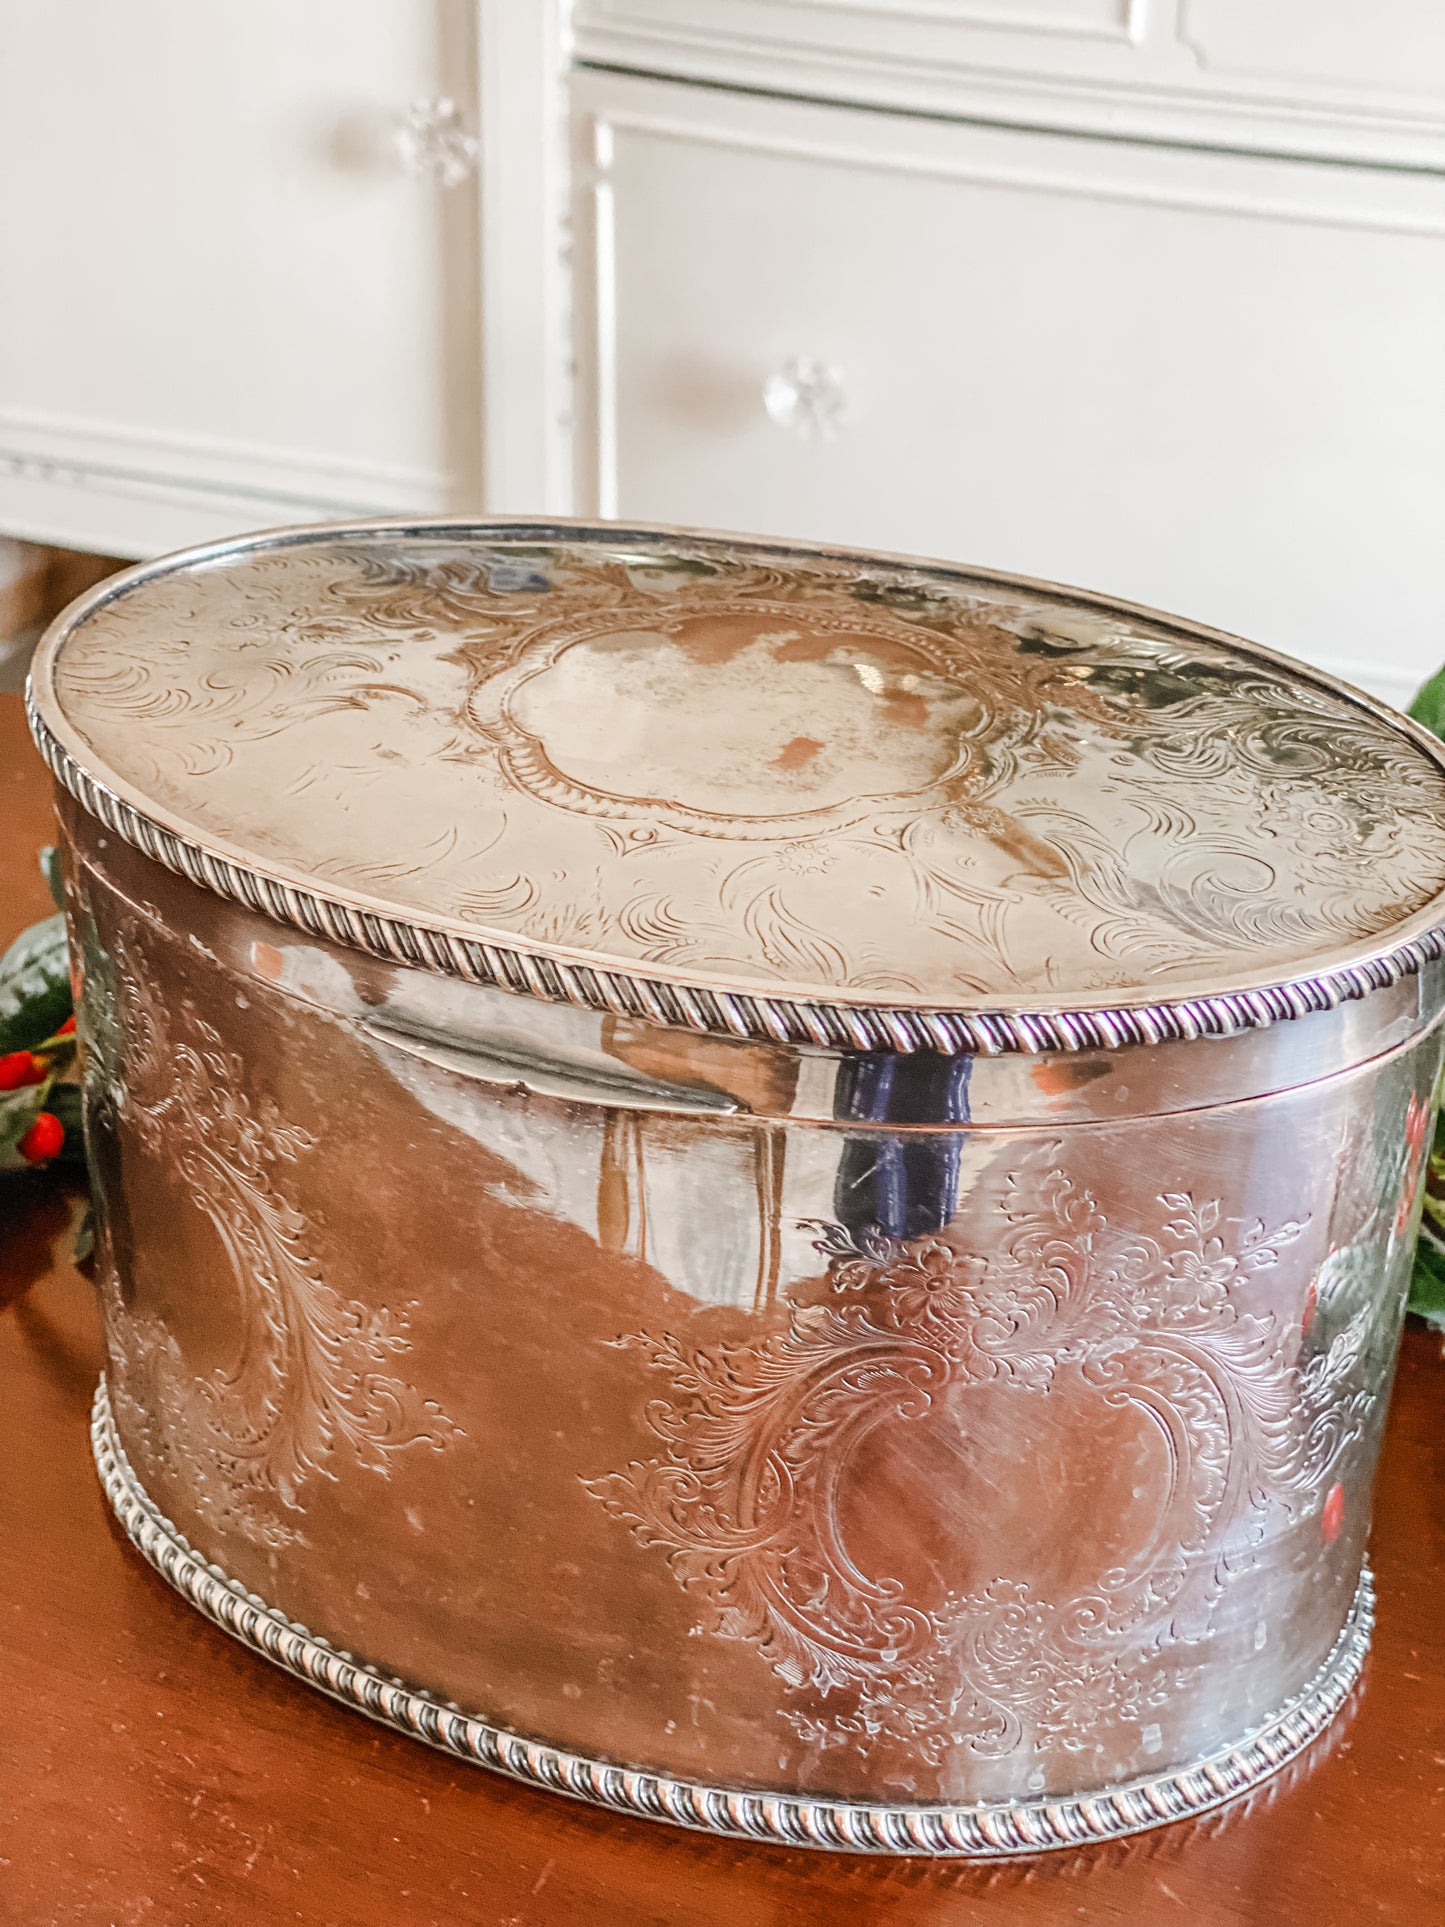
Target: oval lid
[[812, 796]]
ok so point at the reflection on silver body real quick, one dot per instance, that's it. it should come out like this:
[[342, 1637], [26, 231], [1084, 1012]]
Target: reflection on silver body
[[898, 1448]]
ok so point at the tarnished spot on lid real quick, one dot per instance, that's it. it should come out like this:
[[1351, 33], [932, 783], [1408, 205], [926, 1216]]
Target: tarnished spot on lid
[[756, 771]]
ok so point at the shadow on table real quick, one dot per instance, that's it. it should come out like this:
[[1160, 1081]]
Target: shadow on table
[[38, 1210]]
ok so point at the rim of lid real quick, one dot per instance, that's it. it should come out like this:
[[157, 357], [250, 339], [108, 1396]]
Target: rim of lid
[[781, 1014]]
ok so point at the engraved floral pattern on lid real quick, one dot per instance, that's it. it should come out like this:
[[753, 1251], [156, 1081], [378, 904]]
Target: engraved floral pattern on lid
[[739, 766]]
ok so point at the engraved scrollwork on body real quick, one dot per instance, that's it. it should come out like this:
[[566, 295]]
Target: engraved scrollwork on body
[[313, 1375], [751, 1498], [987, 1831]]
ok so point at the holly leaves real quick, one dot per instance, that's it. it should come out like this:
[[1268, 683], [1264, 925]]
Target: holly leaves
[[37, 1055], [1427, 1287], [34, 986]]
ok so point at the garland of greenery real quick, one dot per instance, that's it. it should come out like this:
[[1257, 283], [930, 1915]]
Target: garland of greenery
[[1427, 1287], [39, 1082]]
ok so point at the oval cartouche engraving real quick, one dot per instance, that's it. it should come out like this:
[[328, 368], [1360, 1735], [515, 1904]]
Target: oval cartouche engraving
[[776, 1458]]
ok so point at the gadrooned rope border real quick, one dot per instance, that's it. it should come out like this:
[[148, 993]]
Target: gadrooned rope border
[[776, 1020], [983, 1832]]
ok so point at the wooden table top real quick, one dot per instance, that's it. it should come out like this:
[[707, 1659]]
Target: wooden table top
[[154, 1774]]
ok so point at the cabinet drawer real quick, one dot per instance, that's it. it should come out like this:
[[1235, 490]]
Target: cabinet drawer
[[1360, 79], [1206, 382]]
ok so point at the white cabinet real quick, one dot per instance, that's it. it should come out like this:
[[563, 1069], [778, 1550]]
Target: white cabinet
[[1143, 294], [227, 302], [1206, 381]]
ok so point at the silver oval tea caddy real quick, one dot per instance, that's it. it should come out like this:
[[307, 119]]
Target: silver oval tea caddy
[[770, 1187]]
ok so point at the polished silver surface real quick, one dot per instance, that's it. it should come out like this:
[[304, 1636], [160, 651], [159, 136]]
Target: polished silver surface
[[742, 1415], [709, 1399], [974, 1832], [701, 781]]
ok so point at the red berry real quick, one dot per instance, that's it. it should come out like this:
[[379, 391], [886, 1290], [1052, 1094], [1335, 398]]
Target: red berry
[[20, 1067], [1311, 1300], [44, 1138], [1333, 1515], [66, 1028]]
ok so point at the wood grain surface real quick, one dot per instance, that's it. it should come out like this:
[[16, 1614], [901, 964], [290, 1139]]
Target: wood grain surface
[[151, 1771]]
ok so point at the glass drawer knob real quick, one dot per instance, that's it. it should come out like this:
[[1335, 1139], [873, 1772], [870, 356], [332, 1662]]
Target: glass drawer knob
[[806, 397], [433, 145]]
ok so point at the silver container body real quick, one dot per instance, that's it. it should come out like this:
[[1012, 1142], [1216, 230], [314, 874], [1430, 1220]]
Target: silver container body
[[896, 1451]]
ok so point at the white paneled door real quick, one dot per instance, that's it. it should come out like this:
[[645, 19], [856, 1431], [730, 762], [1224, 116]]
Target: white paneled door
[[240, 265]]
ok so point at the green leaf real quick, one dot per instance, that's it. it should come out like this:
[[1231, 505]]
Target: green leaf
[[1429, 704], [50, 870], [1427, 1286], [18, 1111], [65, 1104], [59, 1052], [34, 986]]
